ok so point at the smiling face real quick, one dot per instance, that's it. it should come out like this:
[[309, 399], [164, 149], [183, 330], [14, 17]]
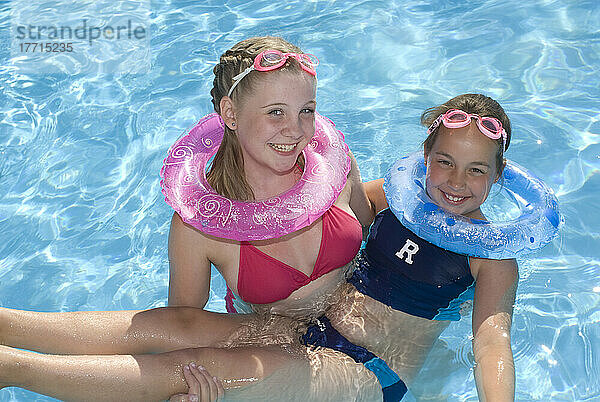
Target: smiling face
[[275, 121], [461, 168]]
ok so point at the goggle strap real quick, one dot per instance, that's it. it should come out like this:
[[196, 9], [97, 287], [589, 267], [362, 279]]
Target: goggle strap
[[434, 125], [243, 73], [238, 78]]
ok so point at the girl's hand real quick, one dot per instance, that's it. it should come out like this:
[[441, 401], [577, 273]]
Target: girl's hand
[[202, 386]]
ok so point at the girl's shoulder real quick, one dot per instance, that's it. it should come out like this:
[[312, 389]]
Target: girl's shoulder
[[477, 265]]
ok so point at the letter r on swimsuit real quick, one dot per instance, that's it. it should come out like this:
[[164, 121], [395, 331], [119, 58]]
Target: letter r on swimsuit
[[410, 248]]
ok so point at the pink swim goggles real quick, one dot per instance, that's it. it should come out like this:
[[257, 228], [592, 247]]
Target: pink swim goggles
[[269, 60], [491, 127]]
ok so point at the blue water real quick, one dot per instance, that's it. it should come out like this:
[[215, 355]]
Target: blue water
[[83, 225]]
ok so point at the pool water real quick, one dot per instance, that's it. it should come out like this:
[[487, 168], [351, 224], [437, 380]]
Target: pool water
[[83, 224]]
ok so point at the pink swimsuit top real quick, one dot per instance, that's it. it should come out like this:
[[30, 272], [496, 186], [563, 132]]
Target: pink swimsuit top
[[263, 279]]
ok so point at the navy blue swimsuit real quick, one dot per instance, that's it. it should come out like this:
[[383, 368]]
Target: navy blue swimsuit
[[407, 273]]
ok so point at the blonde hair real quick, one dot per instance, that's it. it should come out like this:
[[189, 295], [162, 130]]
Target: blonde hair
[[474, 104], [226, 174]]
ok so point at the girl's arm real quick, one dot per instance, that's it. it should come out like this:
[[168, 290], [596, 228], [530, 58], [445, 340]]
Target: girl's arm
[[495, 289], [189, 266], [359, 202], [374, 190]]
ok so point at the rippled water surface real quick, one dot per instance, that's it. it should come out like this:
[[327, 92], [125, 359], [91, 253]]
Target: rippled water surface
[[83, 224]]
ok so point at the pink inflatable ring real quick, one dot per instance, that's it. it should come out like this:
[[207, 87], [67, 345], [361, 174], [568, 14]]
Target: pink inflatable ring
[[185, 187]]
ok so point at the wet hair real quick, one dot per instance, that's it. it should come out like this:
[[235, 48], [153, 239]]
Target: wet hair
[[474, 104], [226, 174]]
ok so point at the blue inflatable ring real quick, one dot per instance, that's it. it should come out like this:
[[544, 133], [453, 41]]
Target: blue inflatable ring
[[536, 226]]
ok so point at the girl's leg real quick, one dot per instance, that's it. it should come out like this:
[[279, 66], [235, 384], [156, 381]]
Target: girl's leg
[[116, 332], [144, 377]]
